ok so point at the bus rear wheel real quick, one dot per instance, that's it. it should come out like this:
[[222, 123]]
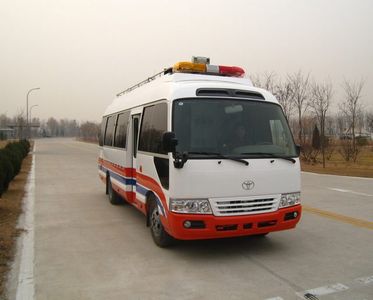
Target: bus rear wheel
[[113, 196], [159, 234]]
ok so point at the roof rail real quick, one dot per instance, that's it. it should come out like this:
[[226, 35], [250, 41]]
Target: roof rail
[[164, 72]]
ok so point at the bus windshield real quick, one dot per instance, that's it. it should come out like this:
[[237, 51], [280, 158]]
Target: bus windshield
[[231, 127]]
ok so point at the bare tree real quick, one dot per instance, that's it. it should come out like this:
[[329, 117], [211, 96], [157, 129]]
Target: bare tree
[[34, 127], [369, 121], [359, 124], [72, 128], [351, 106], [330, 125], [53, 126], [19, 121], [308, 123], [266, 81], [281, 89], [284, 94], [321, 95], [341, 124], [89, 131], [300, 86], [4, 121]]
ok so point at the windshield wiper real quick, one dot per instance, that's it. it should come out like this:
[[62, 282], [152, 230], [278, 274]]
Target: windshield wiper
[[271, 155], [219, 155]]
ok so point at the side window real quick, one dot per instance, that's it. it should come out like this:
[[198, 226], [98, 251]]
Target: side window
[[121, 130], [102, 131], [135, 132], [108, 141], [154, 124]]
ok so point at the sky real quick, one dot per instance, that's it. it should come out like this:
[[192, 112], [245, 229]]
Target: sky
[[81, 53]]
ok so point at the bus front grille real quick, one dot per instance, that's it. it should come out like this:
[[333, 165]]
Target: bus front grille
[[244, 205]]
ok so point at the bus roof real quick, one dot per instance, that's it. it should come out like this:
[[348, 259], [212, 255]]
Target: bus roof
[[180, 85]]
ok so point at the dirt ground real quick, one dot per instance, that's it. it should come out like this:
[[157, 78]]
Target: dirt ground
[[363, 167], [10, 209], [346, 170], [3, 144]]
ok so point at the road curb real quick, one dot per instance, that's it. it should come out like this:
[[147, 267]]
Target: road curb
[[25, 281], [321, 174]]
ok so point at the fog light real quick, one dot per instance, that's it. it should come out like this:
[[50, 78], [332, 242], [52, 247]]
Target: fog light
[[187, 224], [291, 215]]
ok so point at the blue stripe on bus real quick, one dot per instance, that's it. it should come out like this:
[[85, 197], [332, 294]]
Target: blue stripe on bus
[[141, 190], [124, 180], [130, 181]]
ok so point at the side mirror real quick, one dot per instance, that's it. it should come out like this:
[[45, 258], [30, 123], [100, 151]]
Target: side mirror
[[298, 148], [169, 141]]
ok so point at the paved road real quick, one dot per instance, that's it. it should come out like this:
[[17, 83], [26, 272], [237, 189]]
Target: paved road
[[87, 249]]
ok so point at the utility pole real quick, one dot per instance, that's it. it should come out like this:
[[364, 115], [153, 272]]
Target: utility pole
[[32, 106], [27, 122]]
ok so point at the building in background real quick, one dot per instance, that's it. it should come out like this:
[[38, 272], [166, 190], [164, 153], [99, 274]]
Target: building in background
[[7, 133]]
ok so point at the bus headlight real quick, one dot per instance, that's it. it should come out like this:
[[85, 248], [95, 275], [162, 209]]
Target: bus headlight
[[192, 206], [289, 199]]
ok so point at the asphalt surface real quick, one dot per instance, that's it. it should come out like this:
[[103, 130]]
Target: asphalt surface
[[86, 248]]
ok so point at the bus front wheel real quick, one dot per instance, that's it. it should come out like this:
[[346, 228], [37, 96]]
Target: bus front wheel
[[159, 234]]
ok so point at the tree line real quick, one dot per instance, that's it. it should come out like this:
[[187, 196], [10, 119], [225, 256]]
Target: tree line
[[306, 103], [51, 127]]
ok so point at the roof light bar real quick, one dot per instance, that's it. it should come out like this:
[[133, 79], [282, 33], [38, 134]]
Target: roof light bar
[[231, 71], [199, 64], [189, 67], [205, 68]]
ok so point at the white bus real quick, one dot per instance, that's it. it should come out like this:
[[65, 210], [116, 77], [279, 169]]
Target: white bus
[[202, 153]]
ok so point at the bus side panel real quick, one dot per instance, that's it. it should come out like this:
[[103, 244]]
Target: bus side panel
[[113, 162], [148, 181], [101, 170]]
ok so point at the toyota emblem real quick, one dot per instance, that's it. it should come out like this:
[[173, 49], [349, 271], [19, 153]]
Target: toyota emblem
[[248, 185]]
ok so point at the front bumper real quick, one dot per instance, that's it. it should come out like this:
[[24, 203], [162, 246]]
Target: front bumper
[[221, 227]]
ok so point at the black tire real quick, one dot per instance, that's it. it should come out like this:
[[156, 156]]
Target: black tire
[[261, 235], [159, 234], [114, 198]]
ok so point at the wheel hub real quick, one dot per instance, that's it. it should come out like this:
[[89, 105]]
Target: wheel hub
[[156, 222]]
